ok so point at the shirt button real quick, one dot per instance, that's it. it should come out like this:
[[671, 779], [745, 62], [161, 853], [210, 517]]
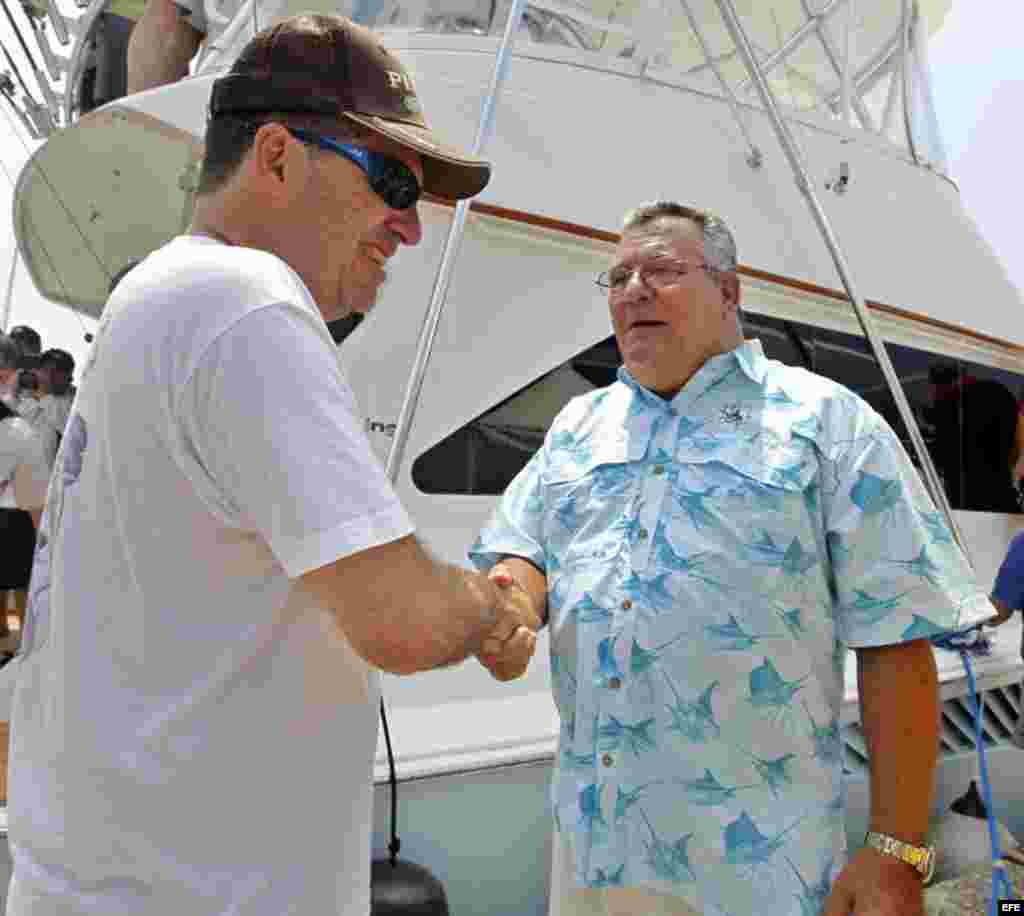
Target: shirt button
[[614, 683], [642, 534], [659, 469], [627, 604], [607, 760]]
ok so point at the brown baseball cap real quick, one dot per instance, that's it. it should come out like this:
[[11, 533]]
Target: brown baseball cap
[[329, 65]]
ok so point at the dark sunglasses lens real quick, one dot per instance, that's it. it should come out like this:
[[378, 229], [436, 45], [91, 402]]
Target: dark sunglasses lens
[[395, 182]]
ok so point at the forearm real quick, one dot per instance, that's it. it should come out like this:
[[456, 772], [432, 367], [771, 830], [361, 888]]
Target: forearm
[[160, 47], [463, 613], [402, 610], [899, 705], [531, 579]]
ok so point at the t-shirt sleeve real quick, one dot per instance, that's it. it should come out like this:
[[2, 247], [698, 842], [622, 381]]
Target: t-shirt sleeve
[[1009, 587], [898, 573], [515, 527], [271, 425]]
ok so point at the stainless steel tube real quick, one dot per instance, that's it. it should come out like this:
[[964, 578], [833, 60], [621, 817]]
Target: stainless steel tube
[[796, 161], [442, 280], [754, 155]]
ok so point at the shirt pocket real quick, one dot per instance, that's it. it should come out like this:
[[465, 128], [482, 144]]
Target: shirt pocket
[[751, 497], [585, 495], [775, 458]]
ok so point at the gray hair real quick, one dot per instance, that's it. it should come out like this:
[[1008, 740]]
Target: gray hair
[[719, 245], [10, 352]]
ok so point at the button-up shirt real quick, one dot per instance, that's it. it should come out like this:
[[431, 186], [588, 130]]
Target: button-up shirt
[[709, 560]]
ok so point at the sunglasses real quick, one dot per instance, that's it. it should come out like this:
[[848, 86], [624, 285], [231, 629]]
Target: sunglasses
[[390, 179]]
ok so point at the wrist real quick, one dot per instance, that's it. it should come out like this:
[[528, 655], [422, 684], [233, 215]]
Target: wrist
[[901, 854], [517, 583]]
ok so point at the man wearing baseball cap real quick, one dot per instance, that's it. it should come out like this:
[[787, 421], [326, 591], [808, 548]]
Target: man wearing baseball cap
[[223, 564]]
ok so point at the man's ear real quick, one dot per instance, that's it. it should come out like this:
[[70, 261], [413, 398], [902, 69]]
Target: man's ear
[[730, 285], [272, 152]]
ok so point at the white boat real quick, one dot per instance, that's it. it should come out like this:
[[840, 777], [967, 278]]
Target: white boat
[[604, 105]]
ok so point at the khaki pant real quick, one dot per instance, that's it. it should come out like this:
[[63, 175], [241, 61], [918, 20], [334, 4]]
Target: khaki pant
[[568, 900]]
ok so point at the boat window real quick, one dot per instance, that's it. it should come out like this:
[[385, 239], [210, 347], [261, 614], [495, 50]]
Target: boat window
[[832, 57], [967, 413]]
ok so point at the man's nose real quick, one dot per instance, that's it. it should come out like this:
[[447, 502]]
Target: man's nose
[[635, 287], [408, 226]]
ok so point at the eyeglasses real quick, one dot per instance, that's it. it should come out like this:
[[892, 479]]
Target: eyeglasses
[[391, 179], [654, 275]]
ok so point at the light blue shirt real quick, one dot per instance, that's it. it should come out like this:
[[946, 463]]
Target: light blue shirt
[[709, 560]]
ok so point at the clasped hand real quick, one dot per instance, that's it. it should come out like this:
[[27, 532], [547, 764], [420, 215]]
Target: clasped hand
[[508, 648]]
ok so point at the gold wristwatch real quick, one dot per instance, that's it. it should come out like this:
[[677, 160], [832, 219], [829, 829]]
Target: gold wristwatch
[[920, 857]]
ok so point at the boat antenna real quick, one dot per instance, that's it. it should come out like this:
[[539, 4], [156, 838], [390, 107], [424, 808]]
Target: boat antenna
[[44, 85]]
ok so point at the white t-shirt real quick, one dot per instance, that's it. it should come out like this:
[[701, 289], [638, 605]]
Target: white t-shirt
[[191, 734], [24, 471]]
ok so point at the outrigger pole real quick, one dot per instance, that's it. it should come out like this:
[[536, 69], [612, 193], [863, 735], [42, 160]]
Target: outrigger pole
[[44, 83], [15, 70], [442, 280], [34, 117], [796, 161]]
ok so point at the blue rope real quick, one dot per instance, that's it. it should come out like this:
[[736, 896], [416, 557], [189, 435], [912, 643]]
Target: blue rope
[[965, 643]]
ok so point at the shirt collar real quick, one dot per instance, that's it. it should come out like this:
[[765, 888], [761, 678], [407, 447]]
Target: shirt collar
[[749, 356]]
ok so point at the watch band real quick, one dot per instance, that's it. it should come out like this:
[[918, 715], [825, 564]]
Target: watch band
[[920, 857]]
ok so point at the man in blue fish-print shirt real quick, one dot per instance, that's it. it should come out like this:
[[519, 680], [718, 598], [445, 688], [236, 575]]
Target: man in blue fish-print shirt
[[710, 534]]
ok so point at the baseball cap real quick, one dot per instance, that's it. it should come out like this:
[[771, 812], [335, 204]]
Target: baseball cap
[[329, 65]]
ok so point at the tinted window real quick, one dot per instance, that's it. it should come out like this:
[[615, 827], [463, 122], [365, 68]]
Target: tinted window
[[967, 413]]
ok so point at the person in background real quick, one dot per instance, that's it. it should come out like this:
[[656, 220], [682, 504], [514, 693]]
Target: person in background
[[24, 474], [976, 423], [16, 393], [27, 338], [167, 37], [47, 405], [709, 535], [171, 32], [1008, 598], [107, 79]]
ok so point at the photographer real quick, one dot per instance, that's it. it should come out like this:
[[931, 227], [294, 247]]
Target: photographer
[[50, 397], [24, 475]]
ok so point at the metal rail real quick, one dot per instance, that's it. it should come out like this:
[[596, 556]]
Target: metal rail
[[754, 156], [15, 70], [841, 69], [794, 41], [9, 298], [7, 90], [38, 24], [450, 252], [44, 83], [76, 65], [905, 29], [793, 153], [60, 26]]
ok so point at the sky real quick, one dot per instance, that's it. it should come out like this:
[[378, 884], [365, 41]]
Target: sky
[[978, 86]]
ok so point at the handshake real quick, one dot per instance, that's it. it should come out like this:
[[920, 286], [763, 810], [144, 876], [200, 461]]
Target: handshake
[[506, 651]]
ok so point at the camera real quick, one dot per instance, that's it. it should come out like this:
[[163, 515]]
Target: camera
[[28, 378]]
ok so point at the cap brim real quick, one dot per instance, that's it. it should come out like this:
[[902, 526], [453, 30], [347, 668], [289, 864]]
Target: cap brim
[[447, 171]]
